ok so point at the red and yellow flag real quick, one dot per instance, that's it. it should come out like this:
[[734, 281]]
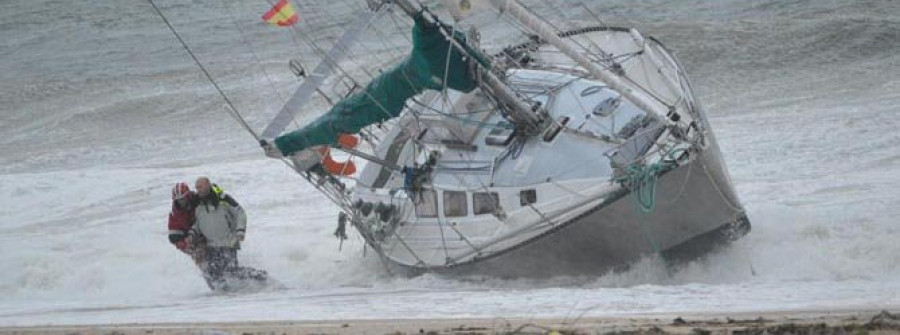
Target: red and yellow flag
[[282, 14]]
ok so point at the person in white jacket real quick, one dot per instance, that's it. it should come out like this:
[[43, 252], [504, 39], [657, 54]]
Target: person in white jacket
[[222, 222]]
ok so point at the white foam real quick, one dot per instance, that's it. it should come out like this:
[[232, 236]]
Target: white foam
[[89, 165]]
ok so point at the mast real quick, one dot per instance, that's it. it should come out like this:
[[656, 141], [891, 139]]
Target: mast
[[547, 33], [524, 115]]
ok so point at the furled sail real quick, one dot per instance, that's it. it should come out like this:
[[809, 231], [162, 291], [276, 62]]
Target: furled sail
[[432, 64]]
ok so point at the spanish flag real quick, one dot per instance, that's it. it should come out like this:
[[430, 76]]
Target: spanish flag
[[282, 14]]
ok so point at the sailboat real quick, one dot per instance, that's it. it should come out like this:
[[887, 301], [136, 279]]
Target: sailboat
[[574, 152]]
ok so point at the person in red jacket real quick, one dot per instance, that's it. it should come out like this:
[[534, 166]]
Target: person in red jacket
[[181, 220]]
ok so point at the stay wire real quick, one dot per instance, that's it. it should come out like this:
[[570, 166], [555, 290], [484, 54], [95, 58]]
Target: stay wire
[[233, 111], [336, 66], [256, 57]]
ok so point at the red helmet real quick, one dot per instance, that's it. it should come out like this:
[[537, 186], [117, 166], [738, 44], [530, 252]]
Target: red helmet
[[180, 190]]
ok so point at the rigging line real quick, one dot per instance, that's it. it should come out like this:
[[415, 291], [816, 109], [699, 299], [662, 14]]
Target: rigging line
[[410, 250], [470, 112], [323, 186], [715, 184], [445, 101], [625, 56], [321, 52], [347, 51], [291, 33], [589, 160], [521, 89], [341, 69], [250, 47], [394, 53], [417, 116], [589, 115], [322, 8], [564, 21], [645, 90], [509, 57], [572, 38], [481, 124], [452, 227], [544, 218], [233, 111], [416, 128], [324, 55], [533, 13], [405, 75], [599, 21], [401, 26], [441, 227], [465, 239], [388, 42], [564, 188], [397, 25], [320, 187], [255, 57], [529, 35], [683, 183], [519, 110], [516, 25]]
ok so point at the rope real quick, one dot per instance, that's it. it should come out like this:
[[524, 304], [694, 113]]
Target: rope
[[233, 111], [641, 180], [480, 124], [324, 54], [256, 57], [728, 202]]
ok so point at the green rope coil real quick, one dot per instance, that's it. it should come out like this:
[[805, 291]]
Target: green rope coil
[[641, 179]]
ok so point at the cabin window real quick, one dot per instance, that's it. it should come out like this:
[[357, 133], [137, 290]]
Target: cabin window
[[527, 197], [455, 204], [485, 203], [426, 204]]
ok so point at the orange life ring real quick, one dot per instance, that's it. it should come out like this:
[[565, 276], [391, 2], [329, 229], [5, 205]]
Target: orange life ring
[[339, 168], [348, 141]]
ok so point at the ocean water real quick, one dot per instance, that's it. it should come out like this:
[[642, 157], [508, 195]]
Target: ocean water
[[101, 111]]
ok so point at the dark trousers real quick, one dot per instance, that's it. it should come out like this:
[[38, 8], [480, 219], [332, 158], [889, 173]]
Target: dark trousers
[[222, 264]]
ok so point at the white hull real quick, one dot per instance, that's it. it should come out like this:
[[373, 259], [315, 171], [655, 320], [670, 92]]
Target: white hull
[[563, 207]]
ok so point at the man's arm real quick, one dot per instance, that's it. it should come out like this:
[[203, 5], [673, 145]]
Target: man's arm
[[195, 232], [238, 215]]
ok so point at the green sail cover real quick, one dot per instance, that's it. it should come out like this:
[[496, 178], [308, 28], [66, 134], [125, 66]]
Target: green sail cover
[[385, 97]]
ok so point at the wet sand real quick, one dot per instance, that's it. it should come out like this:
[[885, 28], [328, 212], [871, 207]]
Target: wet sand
[[844, 322]]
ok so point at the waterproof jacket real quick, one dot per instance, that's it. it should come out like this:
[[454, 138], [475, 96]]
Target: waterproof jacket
[[219, 218], [180, 220]]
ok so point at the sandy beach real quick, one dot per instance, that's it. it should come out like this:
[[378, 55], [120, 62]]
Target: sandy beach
[[845, 322]]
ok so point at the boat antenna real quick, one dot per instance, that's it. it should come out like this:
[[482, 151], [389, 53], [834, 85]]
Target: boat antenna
[[233, 111]]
